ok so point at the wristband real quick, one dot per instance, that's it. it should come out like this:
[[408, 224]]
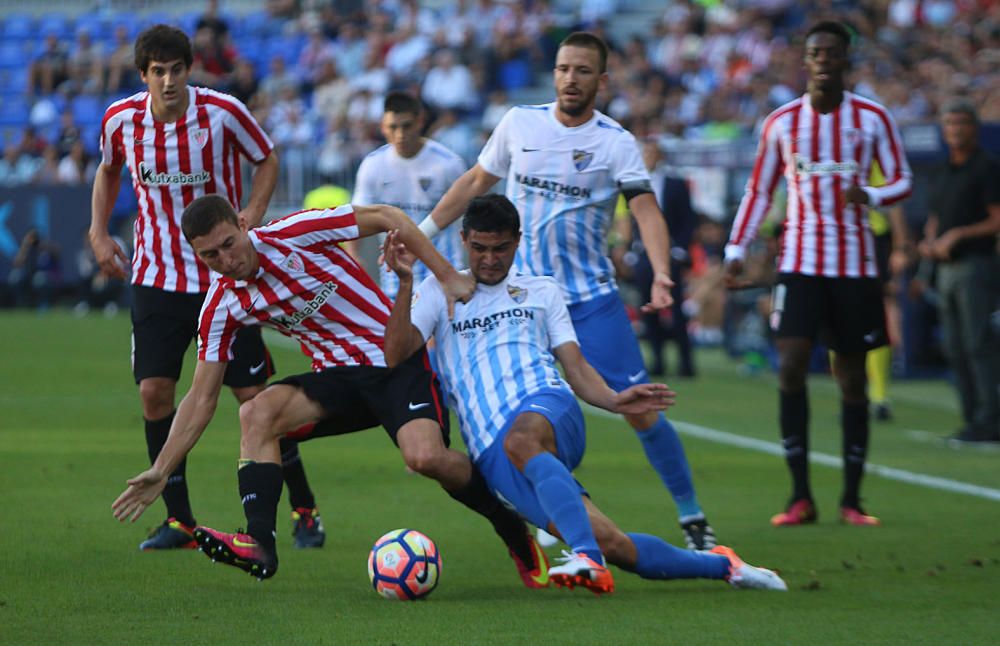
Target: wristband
[[429, 228]]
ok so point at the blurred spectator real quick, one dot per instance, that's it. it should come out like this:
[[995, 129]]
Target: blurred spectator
[[122, 75], [95, 289], [449, 85], [278, 79], [50, 68], [496, 107], [68, 134], [332, 93], [317, 52], [961, 236], [214, 60], [457, 135], [351, 50], [75, 167], [243, 83], [34, 272], [17, 168], [85, 66], [31, 143], [213, 21], [48, 168]]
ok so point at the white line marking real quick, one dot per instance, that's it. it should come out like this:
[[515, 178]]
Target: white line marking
[[825, 459]]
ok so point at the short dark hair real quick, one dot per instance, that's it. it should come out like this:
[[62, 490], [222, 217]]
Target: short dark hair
[[162, 43], [491, 213], [204, 214], [832, 27], [960, 105], [589, 41], [399, 101]]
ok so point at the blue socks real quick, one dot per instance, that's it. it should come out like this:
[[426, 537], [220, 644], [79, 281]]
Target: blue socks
[[560, 498], [658, 559], [666, 453]]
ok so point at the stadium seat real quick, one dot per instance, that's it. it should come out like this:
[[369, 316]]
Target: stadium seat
[[15, 80], [260, 24], [130, 21], [14, 111], [95, 24], [19, 27], [87, 110], [161, 18], [13, 55], [55, 23], [188, 21], [91, 136], [287, 47]]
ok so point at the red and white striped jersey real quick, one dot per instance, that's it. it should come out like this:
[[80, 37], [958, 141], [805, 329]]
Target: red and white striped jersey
[[308, 288], [821, 156], [171, 165]]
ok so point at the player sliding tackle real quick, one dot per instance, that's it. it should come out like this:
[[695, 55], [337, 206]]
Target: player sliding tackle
[[519, 418], [293, 275]]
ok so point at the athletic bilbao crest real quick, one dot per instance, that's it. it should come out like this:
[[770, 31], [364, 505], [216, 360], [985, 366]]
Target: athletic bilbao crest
[[582, 159], [293, 262], [852, 136], [200, 137], [425, 183], [518, 294]]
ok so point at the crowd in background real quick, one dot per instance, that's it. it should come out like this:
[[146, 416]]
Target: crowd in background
[[314, 73]]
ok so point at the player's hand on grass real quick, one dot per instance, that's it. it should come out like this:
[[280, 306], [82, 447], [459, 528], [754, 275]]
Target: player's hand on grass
[[644, 398], [109, 256], [659, 295], [143, 490]]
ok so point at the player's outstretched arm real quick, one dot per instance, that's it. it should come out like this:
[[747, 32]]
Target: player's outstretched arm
[[265, 178], [384, 218], [108, 254], [402, 338], [656, 240], [193, 415], [591, 387], [473, 183]]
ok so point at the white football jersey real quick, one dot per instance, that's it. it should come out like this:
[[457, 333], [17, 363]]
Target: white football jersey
[[414, 185], [496, 350], [564, 183]]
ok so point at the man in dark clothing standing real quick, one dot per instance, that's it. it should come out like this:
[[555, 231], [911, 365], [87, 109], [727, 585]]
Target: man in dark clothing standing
[[961, 236]]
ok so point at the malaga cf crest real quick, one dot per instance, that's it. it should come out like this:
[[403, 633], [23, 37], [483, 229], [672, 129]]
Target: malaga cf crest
[[518, 294], [582, 159], [425, 183]]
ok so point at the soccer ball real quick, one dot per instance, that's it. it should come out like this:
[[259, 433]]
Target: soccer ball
[[404, 565]]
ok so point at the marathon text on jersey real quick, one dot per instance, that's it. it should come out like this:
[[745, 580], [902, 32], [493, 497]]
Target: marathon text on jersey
[[490, 322], [151, 178], [549, 185]]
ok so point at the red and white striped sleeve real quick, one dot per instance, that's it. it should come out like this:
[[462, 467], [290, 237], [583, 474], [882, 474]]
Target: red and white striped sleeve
[[216, 326], [756, 200], [314, 227], [112, 144], [249, 137], [888, 149]]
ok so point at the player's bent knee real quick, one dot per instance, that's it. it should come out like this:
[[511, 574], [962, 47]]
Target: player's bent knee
[[521, 447], [157, 396], [424, 459]]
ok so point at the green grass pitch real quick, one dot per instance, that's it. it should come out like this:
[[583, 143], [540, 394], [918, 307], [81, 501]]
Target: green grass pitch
[[71, 433]]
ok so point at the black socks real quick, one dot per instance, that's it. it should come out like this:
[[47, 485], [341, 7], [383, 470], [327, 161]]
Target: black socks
[[175, 494]]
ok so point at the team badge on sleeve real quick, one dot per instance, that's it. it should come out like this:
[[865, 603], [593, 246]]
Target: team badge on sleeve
[[518, 294], [582, 159]]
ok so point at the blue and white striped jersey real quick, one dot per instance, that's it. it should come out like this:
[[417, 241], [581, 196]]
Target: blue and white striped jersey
[[496, 350], [564, 183], [414, 185]]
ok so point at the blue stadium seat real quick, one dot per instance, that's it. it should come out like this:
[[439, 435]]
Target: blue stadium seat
[[13, 54], [87, 110], [14, 111], [55, 23], [19, 27], [91, 136], [130, 20], [9, 135], [95, 24], [287, 47], [188, 21], [260, 24], [159, 18], [15, 80]]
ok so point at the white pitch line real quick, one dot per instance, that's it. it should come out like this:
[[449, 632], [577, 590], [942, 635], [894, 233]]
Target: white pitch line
[[825, 459]]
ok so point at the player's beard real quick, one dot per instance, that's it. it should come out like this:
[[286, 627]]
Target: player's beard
[[585, 102]]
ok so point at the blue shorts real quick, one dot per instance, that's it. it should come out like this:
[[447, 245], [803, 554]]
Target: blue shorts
[[608, 342], [510, 485]]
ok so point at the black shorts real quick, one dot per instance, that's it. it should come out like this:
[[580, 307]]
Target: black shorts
[[847, 314], [163, 325], [356, 398]]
